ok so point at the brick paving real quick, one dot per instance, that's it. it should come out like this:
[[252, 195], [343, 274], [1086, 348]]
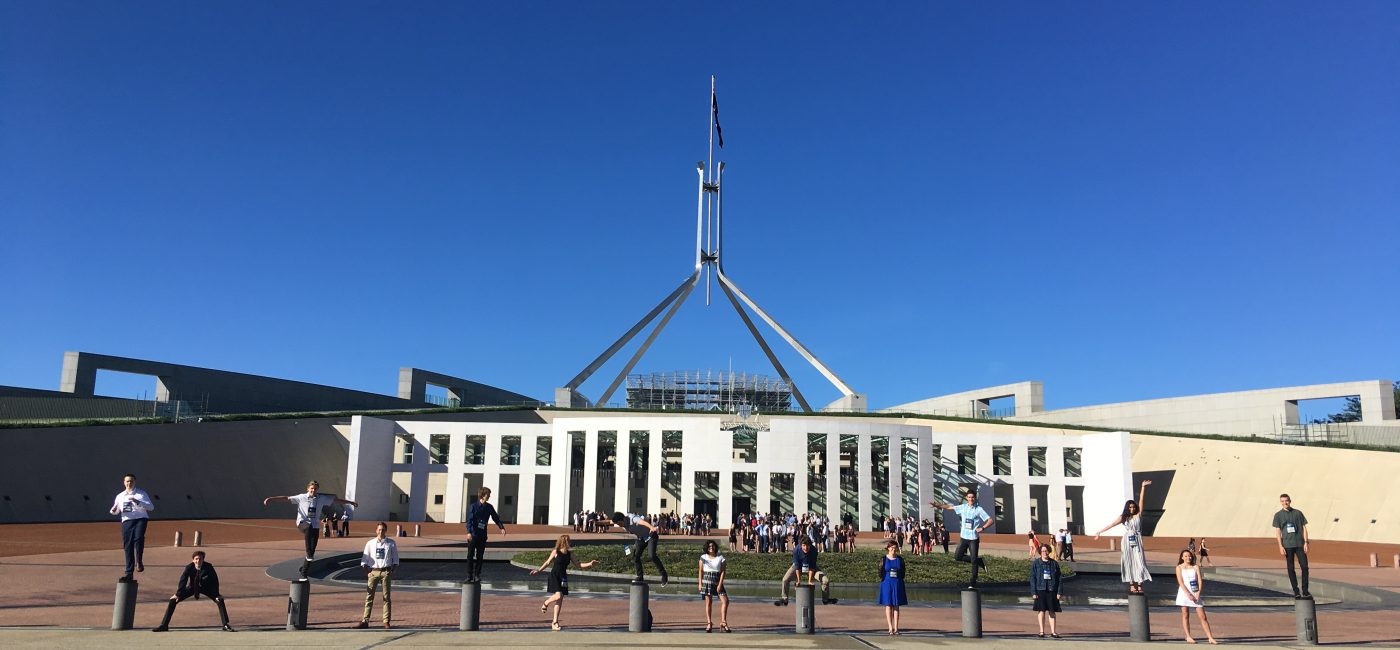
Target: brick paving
[[60, 579]]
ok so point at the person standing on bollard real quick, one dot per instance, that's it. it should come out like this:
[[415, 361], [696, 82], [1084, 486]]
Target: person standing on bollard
[[380, 558], [804, 562], [974, 521], [308, 517], [1133, 566], [892, 594], [134, 506], [647, 538], [199, 579], [1045, 590], [711, 585], [479, 515], [1189, 584], [1291, 530], [347, 513], [562, 558]]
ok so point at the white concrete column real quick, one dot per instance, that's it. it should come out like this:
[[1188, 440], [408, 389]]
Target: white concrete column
[[799, 481], [726, 496], [418, 485], [453, 507], [560, 457], [764, 492], [1020, 489], [687, 503], [927, 463], [833, 477], [369, 474], [863, 482], [525, 498], [623, 455], [896, 473], [590, 470], [654, 469]]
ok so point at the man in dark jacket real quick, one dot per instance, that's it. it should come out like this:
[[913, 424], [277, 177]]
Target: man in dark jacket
[[479, 515], [199, 579]]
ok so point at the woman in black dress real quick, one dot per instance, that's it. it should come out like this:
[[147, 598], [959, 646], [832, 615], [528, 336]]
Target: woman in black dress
[[562, 557]]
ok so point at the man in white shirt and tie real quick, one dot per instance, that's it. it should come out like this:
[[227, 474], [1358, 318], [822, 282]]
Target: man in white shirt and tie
[[379, 560], [134, 506], [309, 517]]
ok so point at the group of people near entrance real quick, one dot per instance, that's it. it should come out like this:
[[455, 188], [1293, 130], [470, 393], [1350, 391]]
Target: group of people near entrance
[[381, 557]]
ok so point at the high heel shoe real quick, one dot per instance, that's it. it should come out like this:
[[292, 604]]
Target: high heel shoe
[[554, 626], [725, 627], [708, 627], [544, 609]]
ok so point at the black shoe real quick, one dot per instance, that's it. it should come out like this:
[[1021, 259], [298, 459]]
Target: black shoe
[[665, 580], [228, 628], [140, 567], [126, 576], [305, 566], [1306, 594], [781, 602], [161, 628], [828, 601]]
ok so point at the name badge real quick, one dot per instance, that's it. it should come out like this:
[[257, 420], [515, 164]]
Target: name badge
[[894, 573], [379, 553], [1195, 585], [967, 525], [1290, 529], [806, 568], [1045, 575], [481, 525], [1133, 541], [129, 506]]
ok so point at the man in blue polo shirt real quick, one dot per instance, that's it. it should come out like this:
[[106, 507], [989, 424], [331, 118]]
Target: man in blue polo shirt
[[974, 521]]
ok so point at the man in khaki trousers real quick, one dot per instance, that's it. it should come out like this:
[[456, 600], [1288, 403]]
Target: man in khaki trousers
[[380, 558]]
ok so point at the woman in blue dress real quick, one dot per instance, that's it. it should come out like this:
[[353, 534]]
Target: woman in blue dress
[[892, 585]]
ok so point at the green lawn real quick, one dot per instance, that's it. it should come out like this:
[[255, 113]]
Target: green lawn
[[859, 567]]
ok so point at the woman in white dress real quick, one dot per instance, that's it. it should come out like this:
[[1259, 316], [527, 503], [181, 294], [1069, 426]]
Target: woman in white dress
[[1189, 584], [1134, 561]]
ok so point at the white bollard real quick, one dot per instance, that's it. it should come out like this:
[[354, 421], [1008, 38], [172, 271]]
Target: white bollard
[[199, 538], [179, 538]]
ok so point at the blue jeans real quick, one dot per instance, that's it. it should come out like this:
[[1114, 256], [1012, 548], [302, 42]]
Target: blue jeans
[[134, 541]]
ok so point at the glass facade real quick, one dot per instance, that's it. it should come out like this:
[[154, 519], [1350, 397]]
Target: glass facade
[[1074, 466], [1001, 461], [476, 450], [816, 473], [544, 449], [510, 450], [850, 485], [1035, 457], [879, 479], [909, 472]]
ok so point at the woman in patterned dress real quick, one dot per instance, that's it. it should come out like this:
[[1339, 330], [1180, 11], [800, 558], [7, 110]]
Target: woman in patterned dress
[[711, 585], [1134, 562]]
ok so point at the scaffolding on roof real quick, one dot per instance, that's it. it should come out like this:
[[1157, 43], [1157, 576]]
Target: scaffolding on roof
[[708, 391]]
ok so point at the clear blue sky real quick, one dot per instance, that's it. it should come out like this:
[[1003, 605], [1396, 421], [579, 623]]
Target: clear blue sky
[[1124, 200]]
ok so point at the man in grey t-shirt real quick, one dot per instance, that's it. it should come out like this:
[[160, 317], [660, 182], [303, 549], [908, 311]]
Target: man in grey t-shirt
[[1291, 529]]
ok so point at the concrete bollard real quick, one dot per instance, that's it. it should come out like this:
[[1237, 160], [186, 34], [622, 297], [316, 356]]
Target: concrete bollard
[[806, 596], [124, 607], [298, 602], [1112, 544], [1139, 626], [1395, 561], [179, 539], [639, 610], [1305, 611], [470, 617], [398, 530], [1375, 560], [199, 538], [417, 530], [971, 613]]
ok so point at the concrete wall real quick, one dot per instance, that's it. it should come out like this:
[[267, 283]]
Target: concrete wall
[[1214, 488], [236, 392], [194, 470], [1029, 397], [1254, 412]]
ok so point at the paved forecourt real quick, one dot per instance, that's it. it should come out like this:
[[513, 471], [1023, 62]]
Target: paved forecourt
[[55, 598]]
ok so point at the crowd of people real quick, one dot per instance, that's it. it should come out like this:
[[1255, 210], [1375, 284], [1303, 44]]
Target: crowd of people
[[805, 536]]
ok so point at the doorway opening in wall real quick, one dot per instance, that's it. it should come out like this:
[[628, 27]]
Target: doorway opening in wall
[[541, 505], [745, 492], [1327, 411], [127, 385], [438, 396], [1074, 509], [995, 408], [400, 495], [707, 495], [1005, 500], [1040, 508]]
